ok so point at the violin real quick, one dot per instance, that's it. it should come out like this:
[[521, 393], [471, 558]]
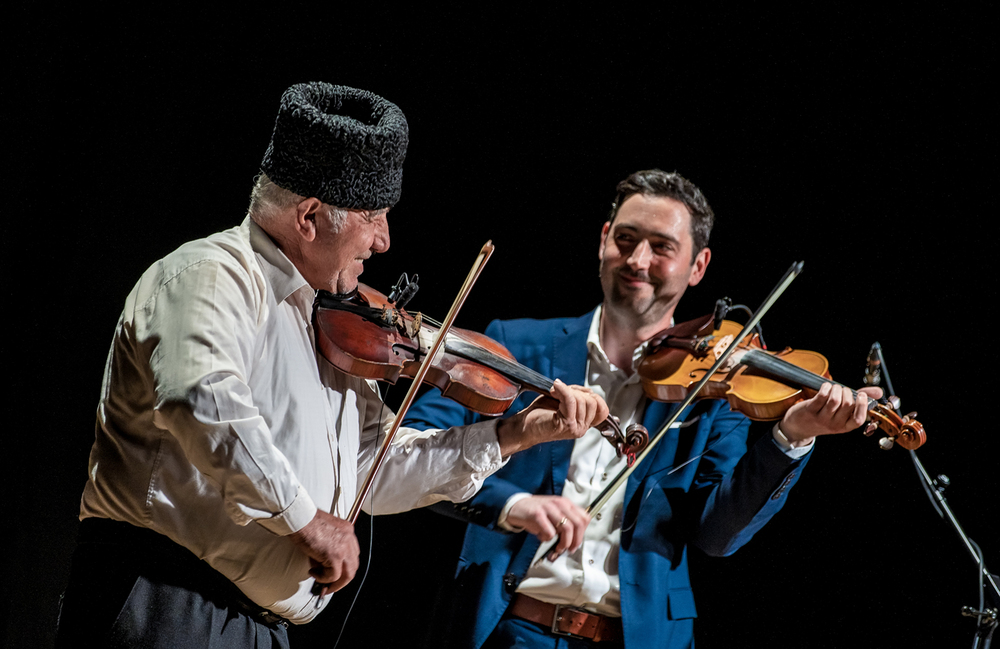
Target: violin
[[760, 384], [368, 334]]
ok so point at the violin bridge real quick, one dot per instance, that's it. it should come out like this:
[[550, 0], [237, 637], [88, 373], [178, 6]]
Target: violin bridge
[[413, 328], [720, 347], [698, 347]]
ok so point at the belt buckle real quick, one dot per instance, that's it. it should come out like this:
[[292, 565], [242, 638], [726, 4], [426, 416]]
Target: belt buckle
[[273, 618], [555, 621]]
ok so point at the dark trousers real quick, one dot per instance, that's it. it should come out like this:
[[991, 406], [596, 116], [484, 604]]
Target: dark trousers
[[132, 587]]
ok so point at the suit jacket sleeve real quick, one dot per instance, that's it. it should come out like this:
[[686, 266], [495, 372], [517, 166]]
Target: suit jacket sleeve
[[732, 492], [747, 499]]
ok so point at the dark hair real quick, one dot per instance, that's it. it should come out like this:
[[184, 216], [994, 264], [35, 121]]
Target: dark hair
[[655, 182]]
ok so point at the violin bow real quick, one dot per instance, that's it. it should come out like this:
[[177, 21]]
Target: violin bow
[[622, 477], [418, 378]]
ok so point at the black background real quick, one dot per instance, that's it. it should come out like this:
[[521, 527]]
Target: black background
[[862, 143]]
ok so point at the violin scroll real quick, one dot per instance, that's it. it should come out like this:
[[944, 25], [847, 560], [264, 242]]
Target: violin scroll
[[628, 444], [905, 431]]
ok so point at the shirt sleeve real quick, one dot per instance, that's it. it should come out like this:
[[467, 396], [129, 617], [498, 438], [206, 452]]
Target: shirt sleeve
[[423, 467], [199, 329], [435, 412], [505, 512], [794, 452]]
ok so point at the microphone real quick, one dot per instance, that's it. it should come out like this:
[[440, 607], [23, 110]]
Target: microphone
[[722, 307], [403, 291], [873, 366]]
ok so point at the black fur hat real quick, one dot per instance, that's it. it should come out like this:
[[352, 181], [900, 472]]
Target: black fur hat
[[342, 145]]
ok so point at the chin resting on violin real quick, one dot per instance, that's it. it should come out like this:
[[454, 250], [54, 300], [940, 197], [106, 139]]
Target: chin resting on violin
[[625, 569]]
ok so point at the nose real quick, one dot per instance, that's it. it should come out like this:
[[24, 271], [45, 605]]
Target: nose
[[380, 243], [641, 256]]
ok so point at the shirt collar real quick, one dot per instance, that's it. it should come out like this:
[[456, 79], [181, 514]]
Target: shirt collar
[[281, 274], [597, 352]]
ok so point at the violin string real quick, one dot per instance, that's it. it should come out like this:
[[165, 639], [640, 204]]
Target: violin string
[[784, 369], [503, 365]]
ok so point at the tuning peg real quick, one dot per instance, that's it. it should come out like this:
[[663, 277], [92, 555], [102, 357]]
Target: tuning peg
[[894, 402], [871, 428], [886, 443], [910, 416]]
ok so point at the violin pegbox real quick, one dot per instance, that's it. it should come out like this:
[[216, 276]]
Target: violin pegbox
[[628, 444], [904, 430]]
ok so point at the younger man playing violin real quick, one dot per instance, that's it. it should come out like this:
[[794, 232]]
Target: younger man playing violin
[[624, 575]]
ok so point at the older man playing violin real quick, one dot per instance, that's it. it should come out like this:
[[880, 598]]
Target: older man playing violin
[[623, 578], [228, 452]]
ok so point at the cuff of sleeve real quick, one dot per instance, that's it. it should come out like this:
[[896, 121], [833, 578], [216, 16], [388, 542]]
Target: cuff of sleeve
[[502, 520], [786, 447], [293, 518], [481, 448]]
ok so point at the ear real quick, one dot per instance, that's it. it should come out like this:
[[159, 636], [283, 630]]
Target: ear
[[698, 267], [604, 240], [305, 218]]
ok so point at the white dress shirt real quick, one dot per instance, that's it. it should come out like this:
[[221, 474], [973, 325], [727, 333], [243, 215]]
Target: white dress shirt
[[220, 427], [588, 578]]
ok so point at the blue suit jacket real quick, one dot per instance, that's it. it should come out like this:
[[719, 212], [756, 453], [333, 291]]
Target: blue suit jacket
[[715, 503]]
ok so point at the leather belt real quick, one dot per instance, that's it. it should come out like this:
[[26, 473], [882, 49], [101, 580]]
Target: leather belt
[[568, 621]]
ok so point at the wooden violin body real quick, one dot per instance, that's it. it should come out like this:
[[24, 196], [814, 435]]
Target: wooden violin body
[[760, 384], [366, 335], [675, 367], [378, 341]]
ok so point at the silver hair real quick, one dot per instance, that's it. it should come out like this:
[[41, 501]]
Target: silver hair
[[268, 201]]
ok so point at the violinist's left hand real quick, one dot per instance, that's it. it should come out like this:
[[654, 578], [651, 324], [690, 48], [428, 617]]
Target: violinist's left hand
[[831, 411], [567, 414]]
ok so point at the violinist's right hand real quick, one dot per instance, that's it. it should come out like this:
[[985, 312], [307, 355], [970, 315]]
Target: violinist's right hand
[[333, 551], [578, 410], [548, 516]]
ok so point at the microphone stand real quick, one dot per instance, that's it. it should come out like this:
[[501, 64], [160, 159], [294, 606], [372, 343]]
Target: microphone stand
[[935, 488]]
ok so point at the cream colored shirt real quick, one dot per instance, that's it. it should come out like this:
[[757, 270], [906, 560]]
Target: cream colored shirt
[[220, 427]]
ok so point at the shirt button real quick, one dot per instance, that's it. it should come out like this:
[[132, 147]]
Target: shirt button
[[598, 517], [604, 476], [591, 562]]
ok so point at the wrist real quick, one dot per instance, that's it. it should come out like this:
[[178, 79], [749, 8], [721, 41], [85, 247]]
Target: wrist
[[788, 441], [510, 434], [503, 520]]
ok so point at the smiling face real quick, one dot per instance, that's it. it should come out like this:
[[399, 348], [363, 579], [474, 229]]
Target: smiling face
[[647, 261], [335, 258]]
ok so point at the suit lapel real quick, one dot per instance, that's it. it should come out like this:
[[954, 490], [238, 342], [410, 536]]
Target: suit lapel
[[657, 412], [569, 351], [569, 365]]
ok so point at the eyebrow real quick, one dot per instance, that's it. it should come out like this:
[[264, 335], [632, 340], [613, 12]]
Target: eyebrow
[[371, 215], [651, 233]]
